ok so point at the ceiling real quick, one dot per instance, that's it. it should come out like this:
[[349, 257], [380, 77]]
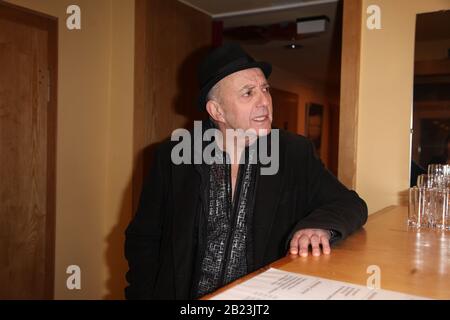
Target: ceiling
[[315, 62]]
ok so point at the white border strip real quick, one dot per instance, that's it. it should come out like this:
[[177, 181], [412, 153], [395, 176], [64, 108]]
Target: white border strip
[[270, 9], [258, 10], [195, 7]]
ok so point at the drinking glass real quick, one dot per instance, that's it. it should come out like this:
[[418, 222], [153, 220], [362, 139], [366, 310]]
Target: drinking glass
[[439, 207], [436, 170], [424, 181], [420, 213]]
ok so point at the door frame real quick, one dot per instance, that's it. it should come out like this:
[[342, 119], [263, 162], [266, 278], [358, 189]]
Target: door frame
[[349, 104], [50, 24]]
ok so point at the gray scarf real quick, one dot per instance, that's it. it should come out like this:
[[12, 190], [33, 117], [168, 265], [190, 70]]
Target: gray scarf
[[226, 253]]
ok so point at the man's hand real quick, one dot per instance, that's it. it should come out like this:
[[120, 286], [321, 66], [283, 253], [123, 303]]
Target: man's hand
[[315, 237]]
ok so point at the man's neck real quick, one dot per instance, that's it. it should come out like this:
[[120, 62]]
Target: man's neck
[[234, 144]]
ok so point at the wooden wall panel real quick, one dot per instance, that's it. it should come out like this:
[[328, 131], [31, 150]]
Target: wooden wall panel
[[171, 39]]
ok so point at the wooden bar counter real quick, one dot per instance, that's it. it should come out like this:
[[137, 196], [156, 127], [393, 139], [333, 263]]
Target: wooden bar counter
[[411, 261]]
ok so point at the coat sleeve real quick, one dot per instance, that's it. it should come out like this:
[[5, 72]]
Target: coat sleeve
[[330, 205], [143, 235]]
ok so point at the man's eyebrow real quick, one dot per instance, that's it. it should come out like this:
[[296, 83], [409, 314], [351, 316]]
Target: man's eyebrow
[[251, 86], [247, 86]]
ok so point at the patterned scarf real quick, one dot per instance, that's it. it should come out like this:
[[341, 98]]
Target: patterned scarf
[[226, 253]]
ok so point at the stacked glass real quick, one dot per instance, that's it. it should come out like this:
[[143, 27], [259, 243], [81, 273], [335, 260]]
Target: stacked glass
[[429, 199]]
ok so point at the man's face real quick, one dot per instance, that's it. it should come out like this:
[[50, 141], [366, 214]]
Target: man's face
[[245, 101]]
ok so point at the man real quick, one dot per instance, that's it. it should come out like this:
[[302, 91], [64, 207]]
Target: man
[[202, 225]]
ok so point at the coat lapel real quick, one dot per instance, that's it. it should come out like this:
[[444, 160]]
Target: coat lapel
[[268, 193]]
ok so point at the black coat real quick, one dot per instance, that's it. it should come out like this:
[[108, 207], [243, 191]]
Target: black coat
[[160, 246]]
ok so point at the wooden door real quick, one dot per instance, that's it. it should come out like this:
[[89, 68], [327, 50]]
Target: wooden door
[[27, 153]]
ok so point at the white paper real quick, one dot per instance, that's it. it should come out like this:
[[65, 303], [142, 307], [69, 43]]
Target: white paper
[[275, 284]]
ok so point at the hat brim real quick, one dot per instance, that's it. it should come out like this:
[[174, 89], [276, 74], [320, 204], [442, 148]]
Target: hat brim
[[202, 100]]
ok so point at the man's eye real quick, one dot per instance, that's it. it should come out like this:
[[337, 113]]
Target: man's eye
[[266, 89], [247, 94]]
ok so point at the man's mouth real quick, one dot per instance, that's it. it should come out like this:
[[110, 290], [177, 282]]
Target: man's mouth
[[261, 118]]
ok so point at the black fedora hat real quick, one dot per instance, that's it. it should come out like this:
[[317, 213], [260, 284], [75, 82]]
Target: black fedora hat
[[221, 62]]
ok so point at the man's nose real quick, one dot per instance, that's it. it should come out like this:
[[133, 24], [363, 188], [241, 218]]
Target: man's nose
[[264, 98]]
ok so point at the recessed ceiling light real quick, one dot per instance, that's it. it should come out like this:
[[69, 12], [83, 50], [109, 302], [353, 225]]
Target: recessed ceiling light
[[293, 46]]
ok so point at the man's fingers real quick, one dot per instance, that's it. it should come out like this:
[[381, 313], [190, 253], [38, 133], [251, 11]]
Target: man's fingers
[[304, 245], [315, 244], [301, 241], [294, 243], [325, 245]]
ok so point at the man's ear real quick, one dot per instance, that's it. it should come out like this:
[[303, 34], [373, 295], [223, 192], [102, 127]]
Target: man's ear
[[215, 111]]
